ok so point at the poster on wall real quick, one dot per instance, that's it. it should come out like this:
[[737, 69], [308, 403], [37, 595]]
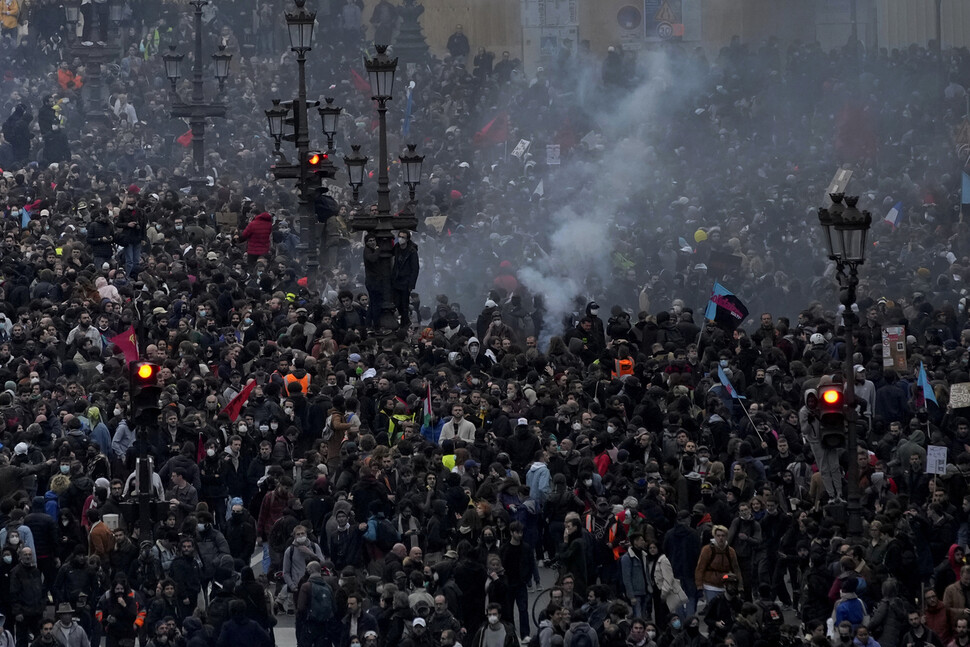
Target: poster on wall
[[663, 19]]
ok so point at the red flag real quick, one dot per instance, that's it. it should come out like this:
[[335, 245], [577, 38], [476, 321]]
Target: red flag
[[494, 132], [127, 343], [186, 139], [360, 83], [236, 404]]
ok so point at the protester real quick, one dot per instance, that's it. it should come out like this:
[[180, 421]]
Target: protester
[[411, 482]]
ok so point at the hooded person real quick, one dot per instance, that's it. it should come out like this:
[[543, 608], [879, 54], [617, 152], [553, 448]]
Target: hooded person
[[258, 235], [241, 630], [475, 357]]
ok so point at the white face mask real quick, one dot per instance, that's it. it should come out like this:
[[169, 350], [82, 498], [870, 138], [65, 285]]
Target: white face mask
[[210, 452], [651, 634], [588, 482], [242, 429], [492, 619], [117, 412]]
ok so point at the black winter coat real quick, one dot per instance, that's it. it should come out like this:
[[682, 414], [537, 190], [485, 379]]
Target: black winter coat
[[27, 590], [404, 271], [101, 238]]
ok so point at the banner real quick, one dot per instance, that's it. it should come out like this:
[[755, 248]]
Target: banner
[[725, 309]]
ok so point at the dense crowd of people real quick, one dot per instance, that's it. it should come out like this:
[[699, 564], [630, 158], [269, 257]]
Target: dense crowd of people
[[412, 484]]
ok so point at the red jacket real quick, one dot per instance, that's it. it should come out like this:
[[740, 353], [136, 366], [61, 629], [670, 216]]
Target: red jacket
[[270, 512], [258, 233]]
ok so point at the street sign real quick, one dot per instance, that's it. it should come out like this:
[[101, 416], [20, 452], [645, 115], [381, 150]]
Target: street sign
[[838, 185]]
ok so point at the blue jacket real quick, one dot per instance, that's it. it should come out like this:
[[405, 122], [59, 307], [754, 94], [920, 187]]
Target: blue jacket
[[851, 609], [634, 581], [52, 506], [539, 482]]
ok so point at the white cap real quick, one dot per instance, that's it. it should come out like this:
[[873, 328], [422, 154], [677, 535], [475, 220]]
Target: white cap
[[817, 338], [523, 422], [21, 448], [859, 368]]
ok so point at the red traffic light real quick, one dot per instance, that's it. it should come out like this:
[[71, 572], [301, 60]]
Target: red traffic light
[[145, 372], [831, 396], [314, 159]]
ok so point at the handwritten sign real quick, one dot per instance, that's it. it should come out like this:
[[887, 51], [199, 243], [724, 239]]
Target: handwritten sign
[[960, 395], [936, 459]]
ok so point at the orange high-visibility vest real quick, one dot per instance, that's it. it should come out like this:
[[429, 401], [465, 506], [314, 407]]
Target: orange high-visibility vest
[[622, 367], [304, 383]]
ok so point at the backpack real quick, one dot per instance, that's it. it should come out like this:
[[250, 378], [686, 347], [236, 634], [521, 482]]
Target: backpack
[[321, 602], [581, 639], [279, 536], [327, 433], [325, 207], [387, 534]]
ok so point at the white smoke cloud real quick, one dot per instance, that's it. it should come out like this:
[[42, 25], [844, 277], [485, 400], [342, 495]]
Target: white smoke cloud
[[595, 187]]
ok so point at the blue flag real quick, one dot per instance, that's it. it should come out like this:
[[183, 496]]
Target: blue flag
[[724, 308], [895, 214], [406, 129], [966, 188], [727, 384], [24, 217], [922, 381]]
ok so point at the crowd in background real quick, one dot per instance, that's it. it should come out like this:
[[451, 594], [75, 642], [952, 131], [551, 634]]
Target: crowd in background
[[412, 486]]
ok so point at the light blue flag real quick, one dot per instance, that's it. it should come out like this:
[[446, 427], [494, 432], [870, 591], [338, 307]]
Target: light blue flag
[[922, 381], [727, 384]]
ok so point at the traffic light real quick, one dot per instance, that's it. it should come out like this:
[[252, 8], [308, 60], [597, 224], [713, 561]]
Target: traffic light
[[831, 403], [292, 119], [145, 392]]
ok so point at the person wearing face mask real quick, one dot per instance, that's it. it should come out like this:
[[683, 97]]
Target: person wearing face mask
[[212, 472], [496, 632], [404, 275], [211, 544], [297, 555]]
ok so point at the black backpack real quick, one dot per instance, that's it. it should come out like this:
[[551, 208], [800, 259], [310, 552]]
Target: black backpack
[[387, 534], [325, 207]]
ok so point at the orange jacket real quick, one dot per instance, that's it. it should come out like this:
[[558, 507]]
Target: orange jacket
[[68, 80]]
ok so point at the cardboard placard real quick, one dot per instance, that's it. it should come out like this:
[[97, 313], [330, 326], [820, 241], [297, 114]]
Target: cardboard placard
[[960, 395], [552, 154], [227, 219], [438, 222], [936, 459], [894, 347], [721, 263]]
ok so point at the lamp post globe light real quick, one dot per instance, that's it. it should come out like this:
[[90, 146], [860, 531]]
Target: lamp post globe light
[[381, 71], [845, 231], [197, 109], [311, 167]]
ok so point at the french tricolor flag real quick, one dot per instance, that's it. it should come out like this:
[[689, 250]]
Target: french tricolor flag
[[895, 214]]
